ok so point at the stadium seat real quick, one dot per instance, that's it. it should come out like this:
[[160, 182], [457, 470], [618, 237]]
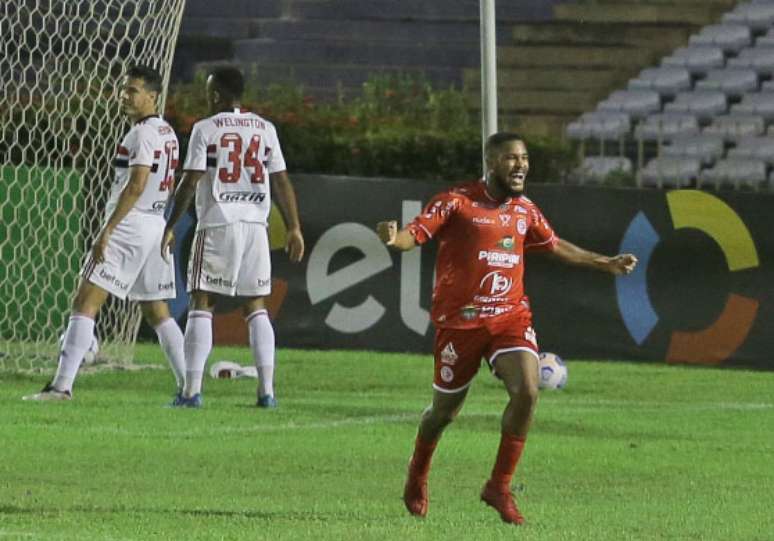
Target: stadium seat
[[597, 169], [729, 37], [667, 81], [600, 125], [705, 148], [731, 81], [666, 126], [736, 173], [766, 40], [757, 15], [758, 59], [759, 103], [697, 60], [733, 126], [669, 171], [636, 103], [704, 104], [754, 148]]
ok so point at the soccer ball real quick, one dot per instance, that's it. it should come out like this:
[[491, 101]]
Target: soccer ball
[[91, 353], [553, 371]]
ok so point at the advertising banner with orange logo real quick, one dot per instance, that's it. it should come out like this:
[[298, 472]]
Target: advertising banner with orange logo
[[701, 294]]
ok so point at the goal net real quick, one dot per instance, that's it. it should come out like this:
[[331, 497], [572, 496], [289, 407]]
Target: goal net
[[61, 64]]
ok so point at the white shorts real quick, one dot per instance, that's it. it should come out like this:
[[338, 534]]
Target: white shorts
[[133, 265], [233, 260]]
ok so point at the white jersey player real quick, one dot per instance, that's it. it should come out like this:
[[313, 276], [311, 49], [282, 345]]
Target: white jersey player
[[131, 266], [234, 160], [124, 260]]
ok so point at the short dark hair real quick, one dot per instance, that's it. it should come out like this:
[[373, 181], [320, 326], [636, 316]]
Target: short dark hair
[[496, 139], [150, 77], [229, 81]]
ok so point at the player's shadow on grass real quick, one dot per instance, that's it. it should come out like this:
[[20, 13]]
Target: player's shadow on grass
[[487, 423], [292, 515]]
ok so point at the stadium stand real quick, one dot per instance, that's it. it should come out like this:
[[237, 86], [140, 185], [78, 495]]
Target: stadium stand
[[599, 169], [731, 38], [638, 73], [735, 173], [703, 104], [757, 15], [760, 59], [754, 148], [670, 172], [715, 124], [698, 60], [635, 103], [760, 104], [556, 58], [667, 81], [705, 148], [734, 126], [666, 126]]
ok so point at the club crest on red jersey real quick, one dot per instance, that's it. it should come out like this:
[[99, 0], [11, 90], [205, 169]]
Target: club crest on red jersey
[[496, 284], [447, 374]]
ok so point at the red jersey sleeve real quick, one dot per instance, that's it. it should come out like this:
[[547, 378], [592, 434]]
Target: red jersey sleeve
[[435, 214], [540, 235]]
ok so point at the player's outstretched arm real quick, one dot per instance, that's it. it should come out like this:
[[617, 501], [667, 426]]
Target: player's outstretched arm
[[285, 196], [184, 194], [571, 254], [390, 235]]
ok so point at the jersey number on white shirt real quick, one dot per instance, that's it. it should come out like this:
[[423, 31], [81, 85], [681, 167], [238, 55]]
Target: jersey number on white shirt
[[233, 143], [168, 180]]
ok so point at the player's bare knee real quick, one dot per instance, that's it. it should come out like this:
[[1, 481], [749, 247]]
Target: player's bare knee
[[201, 300], [155, 312], [527, 394], [439, 417], [253, 305]]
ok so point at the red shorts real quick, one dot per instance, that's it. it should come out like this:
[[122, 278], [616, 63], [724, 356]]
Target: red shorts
[[458, 352]]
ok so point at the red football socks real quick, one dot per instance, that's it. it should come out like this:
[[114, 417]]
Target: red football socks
[[420, 460], [508, 456]]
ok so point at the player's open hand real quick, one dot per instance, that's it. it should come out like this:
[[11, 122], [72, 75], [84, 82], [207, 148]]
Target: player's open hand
[[294, 246], [167, 243], [387, 231], [623, 264]]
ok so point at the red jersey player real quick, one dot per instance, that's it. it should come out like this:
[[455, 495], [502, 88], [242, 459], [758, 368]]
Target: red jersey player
[[479, 309]]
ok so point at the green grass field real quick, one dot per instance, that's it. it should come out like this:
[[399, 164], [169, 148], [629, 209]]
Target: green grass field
[[625, 452]]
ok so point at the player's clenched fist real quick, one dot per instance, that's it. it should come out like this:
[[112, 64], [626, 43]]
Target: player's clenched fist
[[387, 231], [623, 264]]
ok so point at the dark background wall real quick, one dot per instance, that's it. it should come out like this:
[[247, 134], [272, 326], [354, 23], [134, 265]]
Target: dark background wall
[[351, 292]]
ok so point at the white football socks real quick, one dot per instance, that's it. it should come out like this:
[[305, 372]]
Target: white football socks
[[262, 346], [77, 340], [171, 341], [197, 346]]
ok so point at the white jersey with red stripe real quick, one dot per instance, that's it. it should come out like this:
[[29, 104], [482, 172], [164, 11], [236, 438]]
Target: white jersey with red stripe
[[151, 142], [237, 151]]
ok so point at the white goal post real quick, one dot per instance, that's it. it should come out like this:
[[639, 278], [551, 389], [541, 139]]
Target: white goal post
[[60, 63]]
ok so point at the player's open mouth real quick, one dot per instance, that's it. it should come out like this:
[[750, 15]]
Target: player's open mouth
[[519, 177]]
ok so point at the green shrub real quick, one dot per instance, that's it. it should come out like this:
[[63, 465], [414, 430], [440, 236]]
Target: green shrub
[[398, 127]]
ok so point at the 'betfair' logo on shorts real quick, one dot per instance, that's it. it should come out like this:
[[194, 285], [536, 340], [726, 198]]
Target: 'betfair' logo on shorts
[[113, 279], [218, 281]]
